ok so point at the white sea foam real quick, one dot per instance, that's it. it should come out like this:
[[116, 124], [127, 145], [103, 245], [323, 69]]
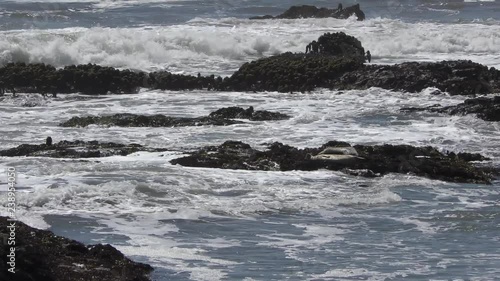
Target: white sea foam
[[221, 46]]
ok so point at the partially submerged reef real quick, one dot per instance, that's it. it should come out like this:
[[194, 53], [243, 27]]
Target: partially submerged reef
[[76, 149], [308, 11], [41, 255], [221, 117], [364, 160]]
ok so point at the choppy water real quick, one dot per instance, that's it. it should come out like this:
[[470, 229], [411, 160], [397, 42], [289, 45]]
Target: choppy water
[[208, 224]]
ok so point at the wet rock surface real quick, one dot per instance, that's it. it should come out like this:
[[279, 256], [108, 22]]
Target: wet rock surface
[[290, 72], [455, 77], [371, 160], [341, 45], [221, 117], [485, 108], [308, 11], [42, 256], [76, 149]]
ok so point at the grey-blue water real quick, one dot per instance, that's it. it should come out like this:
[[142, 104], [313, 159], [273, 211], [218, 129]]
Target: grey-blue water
[[210, 224]]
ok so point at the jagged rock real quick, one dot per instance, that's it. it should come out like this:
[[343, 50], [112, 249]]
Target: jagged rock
[[485, 108], [308, 11], [372, 160], [221, 117], [455, 77], [76, 149], [41, 255]]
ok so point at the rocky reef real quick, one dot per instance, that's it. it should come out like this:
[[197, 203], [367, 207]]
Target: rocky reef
[[76, 149], [41, 255], [221, 117], [308, 11], [485, 108], [367, 161]]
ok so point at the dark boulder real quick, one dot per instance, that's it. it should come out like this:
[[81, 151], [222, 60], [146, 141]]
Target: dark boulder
[[76, 149], [371, 160], [485, 108], [308, 11], [341, 45], [41, 255]]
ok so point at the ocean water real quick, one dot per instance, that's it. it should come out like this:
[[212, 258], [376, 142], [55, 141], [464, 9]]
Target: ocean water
[[210, 224]]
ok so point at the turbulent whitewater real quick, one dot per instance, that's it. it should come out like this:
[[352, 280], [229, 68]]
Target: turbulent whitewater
[[211, 224]]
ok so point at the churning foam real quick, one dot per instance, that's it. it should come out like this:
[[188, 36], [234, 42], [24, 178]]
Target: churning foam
[[221, 46]]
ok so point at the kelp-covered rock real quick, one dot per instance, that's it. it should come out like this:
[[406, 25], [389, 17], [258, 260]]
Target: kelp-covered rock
[[370, 160], [290, 72], [76, 149], [42, 256], [308, 11], [455, 77], [221, 117], [485, 108]]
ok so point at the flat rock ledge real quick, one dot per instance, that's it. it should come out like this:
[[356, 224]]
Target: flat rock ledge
[[370, 161], [221, 117], [485, 108], [42, 256], [76, 149]]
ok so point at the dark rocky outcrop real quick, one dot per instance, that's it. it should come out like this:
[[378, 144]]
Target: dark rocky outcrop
[[373, 160], [42, 256], [93, 79], [485, 108], [221, 117], [308, 11], [76, 149], [290, 72]]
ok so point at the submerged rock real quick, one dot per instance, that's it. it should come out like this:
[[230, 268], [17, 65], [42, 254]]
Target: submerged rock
[[372, 160], [41, 255], [221, 117], [308, 11], [76, 149], [485, 108]]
